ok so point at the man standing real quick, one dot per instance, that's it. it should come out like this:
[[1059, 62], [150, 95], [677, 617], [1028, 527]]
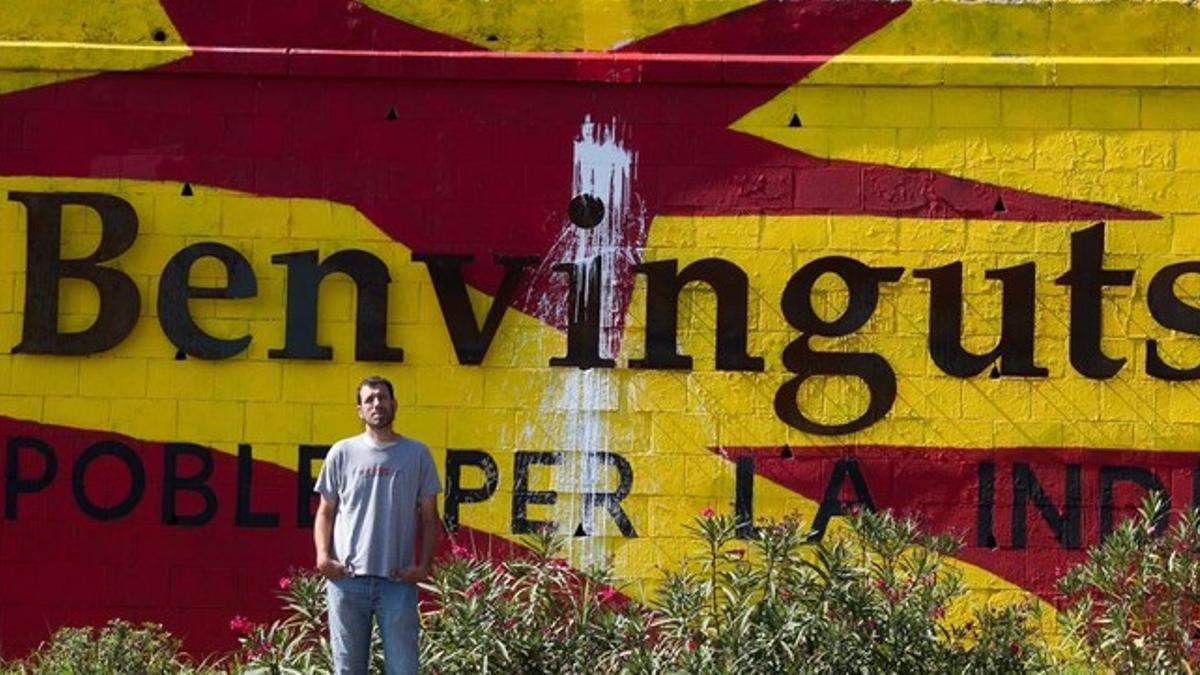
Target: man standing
[[372, 486]]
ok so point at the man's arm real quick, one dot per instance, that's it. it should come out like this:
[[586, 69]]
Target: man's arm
[[323, 539], [431, 525]]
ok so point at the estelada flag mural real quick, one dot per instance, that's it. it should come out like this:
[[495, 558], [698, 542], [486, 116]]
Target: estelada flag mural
[[623, 262]]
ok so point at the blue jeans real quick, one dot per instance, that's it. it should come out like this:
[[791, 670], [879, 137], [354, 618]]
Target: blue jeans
[[353, 602]]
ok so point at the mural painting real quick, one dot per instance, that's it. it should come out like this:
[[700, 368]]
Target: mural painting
[[622, 263]]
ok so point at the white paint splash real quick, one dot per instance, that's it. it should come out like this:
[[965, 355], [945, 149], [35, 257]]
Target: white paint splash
[[580, 402]]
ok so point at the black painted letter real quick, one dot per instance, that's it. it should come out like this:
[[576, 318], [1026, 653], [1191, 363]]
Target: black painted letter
[[831, 502], [445, 271], [1168, 310], [137, 480], [120, 303], [245, 516], [523, 496], [743, 497], [174, 290], [863, 284], [197, 483], [305, 482], [1015, 349], [455, 494], [14, 484], [1145, 479], [583, 316], [611, 501], [985, 505], [1066, 525], [1087, 279], [664, 282], [304, 275]]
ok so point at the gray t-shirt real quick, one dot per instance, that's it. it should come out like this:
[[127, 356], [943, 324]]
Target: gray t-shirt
[[376, 489]]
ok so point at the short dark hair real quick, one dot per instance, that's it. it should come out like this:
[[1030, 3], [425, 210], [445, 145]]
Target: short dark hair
[[374, 381]]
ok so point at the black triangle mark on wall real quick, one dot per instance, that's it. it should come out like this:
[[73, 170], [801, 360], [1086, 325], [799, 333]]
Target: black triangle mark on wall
[[187, 190], [795, 121]]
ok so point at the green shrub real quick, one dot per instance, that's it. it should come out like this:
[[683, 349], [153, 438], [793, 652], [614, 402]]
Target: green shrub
[[872, 598], [1134, 605], [297, 644], [528, 615], [117, 647]]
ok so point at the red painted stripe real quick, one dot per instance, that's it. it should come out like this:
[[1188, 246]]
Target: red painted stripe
[[940, 486], [767, 43], [314, 24], [467, 166], [63, 567]]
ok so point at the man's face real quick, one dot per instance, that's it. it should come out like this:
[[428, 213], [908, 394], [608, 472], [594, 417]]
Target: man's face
[[377, 408]]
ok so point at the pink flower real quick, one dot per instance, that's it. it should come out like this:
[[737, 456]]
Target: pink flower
[[1014, 649], [240, 625], [559, 564], [691, 645], [458, 550], [707, 512], [285, 583], [474, 589], [870, 624], [606, 594]]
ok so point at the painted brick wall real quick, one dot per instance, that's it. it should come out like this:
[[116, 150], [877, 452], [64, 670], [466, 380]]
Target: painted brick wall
[[831, 167]]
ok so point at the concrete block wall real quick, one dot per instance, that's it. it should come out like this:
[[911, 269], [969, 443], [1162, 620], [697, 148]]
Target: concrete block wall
[[828, 162]]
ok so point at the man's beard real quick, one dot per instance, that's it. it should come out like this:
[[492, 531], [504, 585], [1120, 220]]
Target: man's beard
[[385, 420]]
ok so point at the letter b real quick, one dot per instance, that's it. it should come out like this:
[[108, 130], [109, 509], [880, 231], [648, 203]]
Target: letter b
[[120, 304]]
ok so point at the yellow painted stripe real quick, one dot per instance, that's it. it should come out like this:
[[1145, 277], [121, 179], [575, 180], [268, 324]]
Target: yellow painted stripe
[[553, 26], [76, 38]]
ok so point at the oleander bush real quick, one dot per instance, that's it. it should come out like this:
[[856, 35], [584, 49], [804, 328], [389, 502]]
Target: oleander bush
[[530, 614], [878, 595], [117, 647], [297, 644], [1134, 604], [870, 598]]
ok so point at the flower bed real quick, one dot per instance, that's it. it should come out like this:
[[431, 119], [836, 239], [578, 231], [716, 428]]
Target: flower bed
[[876, 596]]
